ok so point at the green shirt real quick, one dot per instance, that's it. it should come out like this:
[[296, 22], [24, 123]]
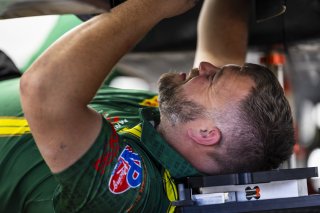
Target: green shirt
[[127, 169]]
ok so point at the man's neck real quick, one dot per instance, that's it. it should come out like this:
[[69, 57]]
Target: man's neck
[[169, 132], [175, 137]]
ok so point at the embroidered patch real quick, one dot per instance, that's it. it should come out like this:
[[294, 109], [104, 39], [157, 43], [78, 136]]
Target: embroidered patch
[[127, 173]]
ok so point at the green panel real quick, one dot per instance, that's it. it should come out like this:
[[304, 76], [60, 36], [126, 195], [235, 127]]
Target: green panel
[[64, 24]]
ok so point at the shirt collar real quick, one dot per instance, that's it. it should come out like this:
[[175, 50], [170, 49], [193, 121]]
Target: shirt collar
[[159, 149]]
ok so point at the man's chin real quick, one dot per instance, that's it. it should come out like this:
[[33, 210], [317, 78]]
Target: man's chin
[[169, 75], [170, 80]]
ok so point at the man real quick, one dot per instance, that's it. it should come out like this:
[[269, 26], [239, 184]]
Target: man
[[218, 119]]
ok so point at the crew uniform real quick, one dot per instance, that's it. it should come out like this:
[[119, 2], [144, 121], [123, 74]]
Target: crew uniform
[[129, 168]]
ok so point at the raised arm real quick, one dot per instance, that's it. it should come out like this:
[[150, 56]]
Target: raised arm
[[222, 32], [56, 90]]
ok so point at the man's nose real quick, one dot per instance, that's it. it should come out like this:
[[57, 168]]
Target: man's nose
[[206, 68]]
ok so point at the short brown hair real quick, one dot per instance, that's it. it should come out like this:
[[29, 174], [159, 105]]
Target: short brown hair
[[258, 133]]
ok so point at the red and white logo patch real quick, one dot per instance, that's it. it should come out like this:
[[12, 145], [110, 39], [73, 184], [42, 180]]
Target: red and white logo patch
[[127, 173]]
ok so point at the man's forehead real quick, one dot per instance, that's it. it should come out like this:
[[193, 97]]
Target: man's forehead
[[231, 66], [231, 84]]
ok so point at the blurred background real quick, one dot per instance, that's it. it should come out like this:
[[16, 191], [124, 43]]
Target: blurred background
[[284, 35]]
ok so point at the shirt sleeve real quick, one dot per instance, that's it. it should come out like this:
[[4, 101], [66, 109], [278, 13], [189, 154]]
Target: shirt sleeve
[[107, 178]]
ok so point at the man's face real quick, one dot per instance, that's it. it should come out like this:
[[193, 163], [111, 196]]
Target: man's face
[[204, 89]]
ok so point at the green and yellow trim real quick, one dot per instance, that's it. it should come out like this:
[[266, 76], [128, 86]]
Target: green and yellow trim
[[135, 131], [151, 102], [13, 126], [168, 182], [171, 190]]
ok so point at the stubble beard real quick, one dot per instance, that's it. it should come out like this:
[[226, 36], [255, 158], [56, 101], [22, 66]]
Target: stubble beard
[[173, 102]]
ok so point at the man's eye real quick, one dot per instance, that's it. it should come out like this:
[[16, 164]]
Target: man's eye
[[211, 77]]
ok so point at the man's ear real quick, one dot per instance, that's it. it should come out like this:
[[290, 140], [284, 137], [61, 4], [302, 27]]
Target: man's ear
[[205, 136]]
